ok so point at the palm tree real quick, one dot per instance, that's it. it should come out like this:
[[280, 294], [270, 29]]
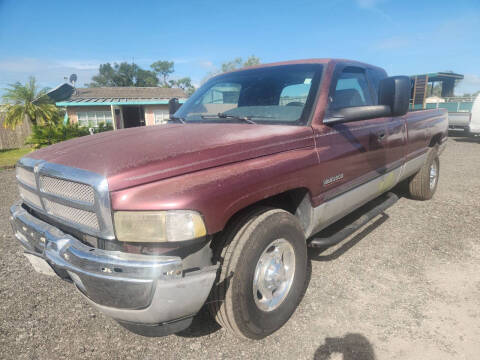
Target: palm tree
[[26, 100]]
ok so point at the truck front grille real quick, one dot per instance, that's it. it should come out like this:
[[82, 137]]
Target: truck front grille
[[73, 215], [75, 197], [67, 189]]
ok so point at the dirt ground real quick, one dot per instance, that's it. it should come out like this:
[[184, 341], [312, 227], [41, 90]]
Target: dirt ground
[[406, 286]]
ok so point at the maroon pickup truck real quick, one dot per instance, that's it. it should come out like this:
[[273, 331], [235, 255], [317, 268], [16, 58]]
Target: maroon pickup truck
[[218, 206]]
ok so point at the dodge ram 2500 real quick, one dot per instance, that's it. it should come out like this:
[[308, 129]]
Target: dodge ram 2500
[[218, 206]]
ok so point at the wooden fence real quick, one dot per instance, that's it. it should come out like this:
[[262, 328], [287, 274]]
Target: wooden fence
[[12, 139]]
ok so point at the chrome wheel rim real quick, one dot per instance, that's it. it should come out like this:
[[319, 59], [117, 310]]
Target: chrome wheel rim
[[433, 174], [274, 275]]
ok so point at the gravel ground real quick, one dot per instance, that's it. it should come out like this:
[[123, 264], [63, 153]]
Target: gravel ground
[[407, 286]]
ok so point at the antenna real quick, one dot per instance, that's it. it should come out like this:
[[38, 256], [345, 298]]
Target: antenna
[[73, 78]]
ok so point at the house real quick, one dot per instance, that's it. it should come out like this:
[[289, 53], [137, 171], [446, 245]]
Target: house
[[123, 107]]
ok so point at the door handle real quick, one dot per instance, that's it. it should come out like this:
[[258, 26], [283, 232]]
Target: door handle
[[381, 136]]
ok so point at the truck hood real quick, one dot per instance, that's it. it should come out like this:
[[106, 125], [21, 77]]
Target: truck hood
[[136, 156]]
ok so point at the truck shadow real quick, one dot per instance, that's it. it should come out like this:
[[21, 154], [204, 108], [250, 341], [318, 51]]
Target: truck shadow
[[351, 346], [469, 139], [203, 324]]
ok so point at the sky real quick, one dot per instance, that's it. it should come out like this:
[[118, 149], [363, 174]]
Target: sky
[[53, 39]]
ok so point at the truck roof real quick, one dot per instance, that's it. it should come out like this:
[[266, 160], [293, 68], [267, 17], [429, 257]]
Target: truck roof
[[309, 61]]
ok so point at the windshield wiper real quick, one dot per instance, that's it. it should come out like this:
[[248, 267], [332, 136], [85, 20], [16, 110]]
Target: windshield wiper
[[182, 120], [227, 116]]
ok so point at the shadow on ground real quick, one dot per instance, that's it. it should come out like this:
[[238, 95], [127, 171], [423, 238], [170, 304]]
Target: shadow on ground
[[351, 346], [203, 324], [469, 139]]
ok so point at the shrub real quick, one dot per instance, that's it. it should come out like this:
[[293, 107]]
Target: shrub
[[54, 133], [103, 127]]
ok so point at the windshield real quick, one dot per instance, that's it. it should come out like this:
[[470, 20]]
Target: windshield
[[272, 95]]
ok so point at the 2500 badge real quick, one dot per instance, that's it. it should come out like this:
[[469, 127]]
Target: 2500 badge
[[332, 179]]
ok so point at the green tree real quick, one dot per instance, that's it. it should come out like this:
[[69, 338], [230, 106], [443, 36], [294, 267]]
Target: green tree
[[234, 64], [27, 100], [164, 69], [123, 74], [146, 78], [185, 84], [251, 61], [231, 65], [238, 63], [130, 74]]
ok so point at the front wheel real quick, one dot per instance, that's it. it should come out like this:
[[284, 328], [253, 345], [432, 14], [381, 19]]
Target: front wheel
[[263, 273]]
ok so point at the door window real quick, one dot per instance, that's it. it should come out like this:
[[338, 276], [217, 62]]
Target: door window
[[351, 89], [375, 77]]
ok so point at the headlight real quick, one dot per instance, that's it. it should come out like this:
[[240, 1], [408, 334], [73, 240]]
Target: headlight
[[158, 226]]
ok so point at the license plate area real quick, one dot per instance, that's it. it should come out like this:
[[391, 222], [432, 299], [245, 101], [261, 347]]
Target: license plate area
[[30, 238], [40, 265]]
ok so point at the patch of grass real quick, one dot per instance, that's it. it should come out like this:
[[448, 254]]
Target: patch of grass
[[8, 158]]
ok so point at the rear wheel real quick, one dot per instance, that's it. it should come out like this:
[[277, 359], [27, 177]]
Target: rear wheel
[[424, 183], [263, 273]]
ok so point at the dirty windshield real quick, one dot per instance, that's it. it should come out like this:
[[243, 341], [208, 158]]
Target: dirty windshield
[[281, 94]]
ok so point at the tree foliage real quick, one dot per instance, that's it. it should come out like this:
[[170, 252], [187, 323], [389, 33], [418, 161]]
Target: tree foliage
[[185, 84], [123, 74], [126, 74], [238, 63], [164, 69], [26, 100], [235, 64]]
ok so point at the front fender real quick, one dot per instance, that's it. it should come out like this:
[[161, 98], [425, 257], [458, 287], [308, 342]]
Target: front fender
[[218, 193]]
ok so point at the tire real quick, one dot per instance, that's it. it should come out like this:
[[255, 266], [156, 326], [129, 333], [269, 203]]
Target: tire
[[258, 234], [420, 187]]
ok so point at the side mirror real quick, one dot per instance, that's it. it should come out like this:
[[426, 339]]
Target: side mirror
[[173, 106], [394, 92], [356, 113]]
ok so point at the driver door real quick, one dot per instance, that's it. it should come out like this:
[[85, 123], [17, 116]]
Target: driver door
[[350, 153]]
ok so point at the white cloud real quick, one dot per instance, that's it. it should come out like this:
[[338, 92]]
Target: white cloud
[[48, 73], [80, 65], [469, 85]]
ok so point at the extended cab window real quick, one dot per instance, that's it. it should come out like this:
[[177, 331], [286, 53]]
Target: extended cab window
[[351, 89], [270, 95]]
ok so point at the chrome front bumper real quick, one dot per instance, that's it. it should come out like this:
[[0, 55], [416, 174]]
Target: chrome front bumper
[[134, 288]]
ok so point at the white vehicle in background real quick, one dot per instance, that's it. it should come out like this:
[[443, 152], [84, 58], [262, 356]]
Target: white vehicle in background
[[475, 118]]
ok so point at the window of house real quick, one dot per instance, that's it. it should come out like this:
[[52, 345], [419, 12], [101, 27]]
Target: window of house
[[94, 118], [161, 116], [351, 90]]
